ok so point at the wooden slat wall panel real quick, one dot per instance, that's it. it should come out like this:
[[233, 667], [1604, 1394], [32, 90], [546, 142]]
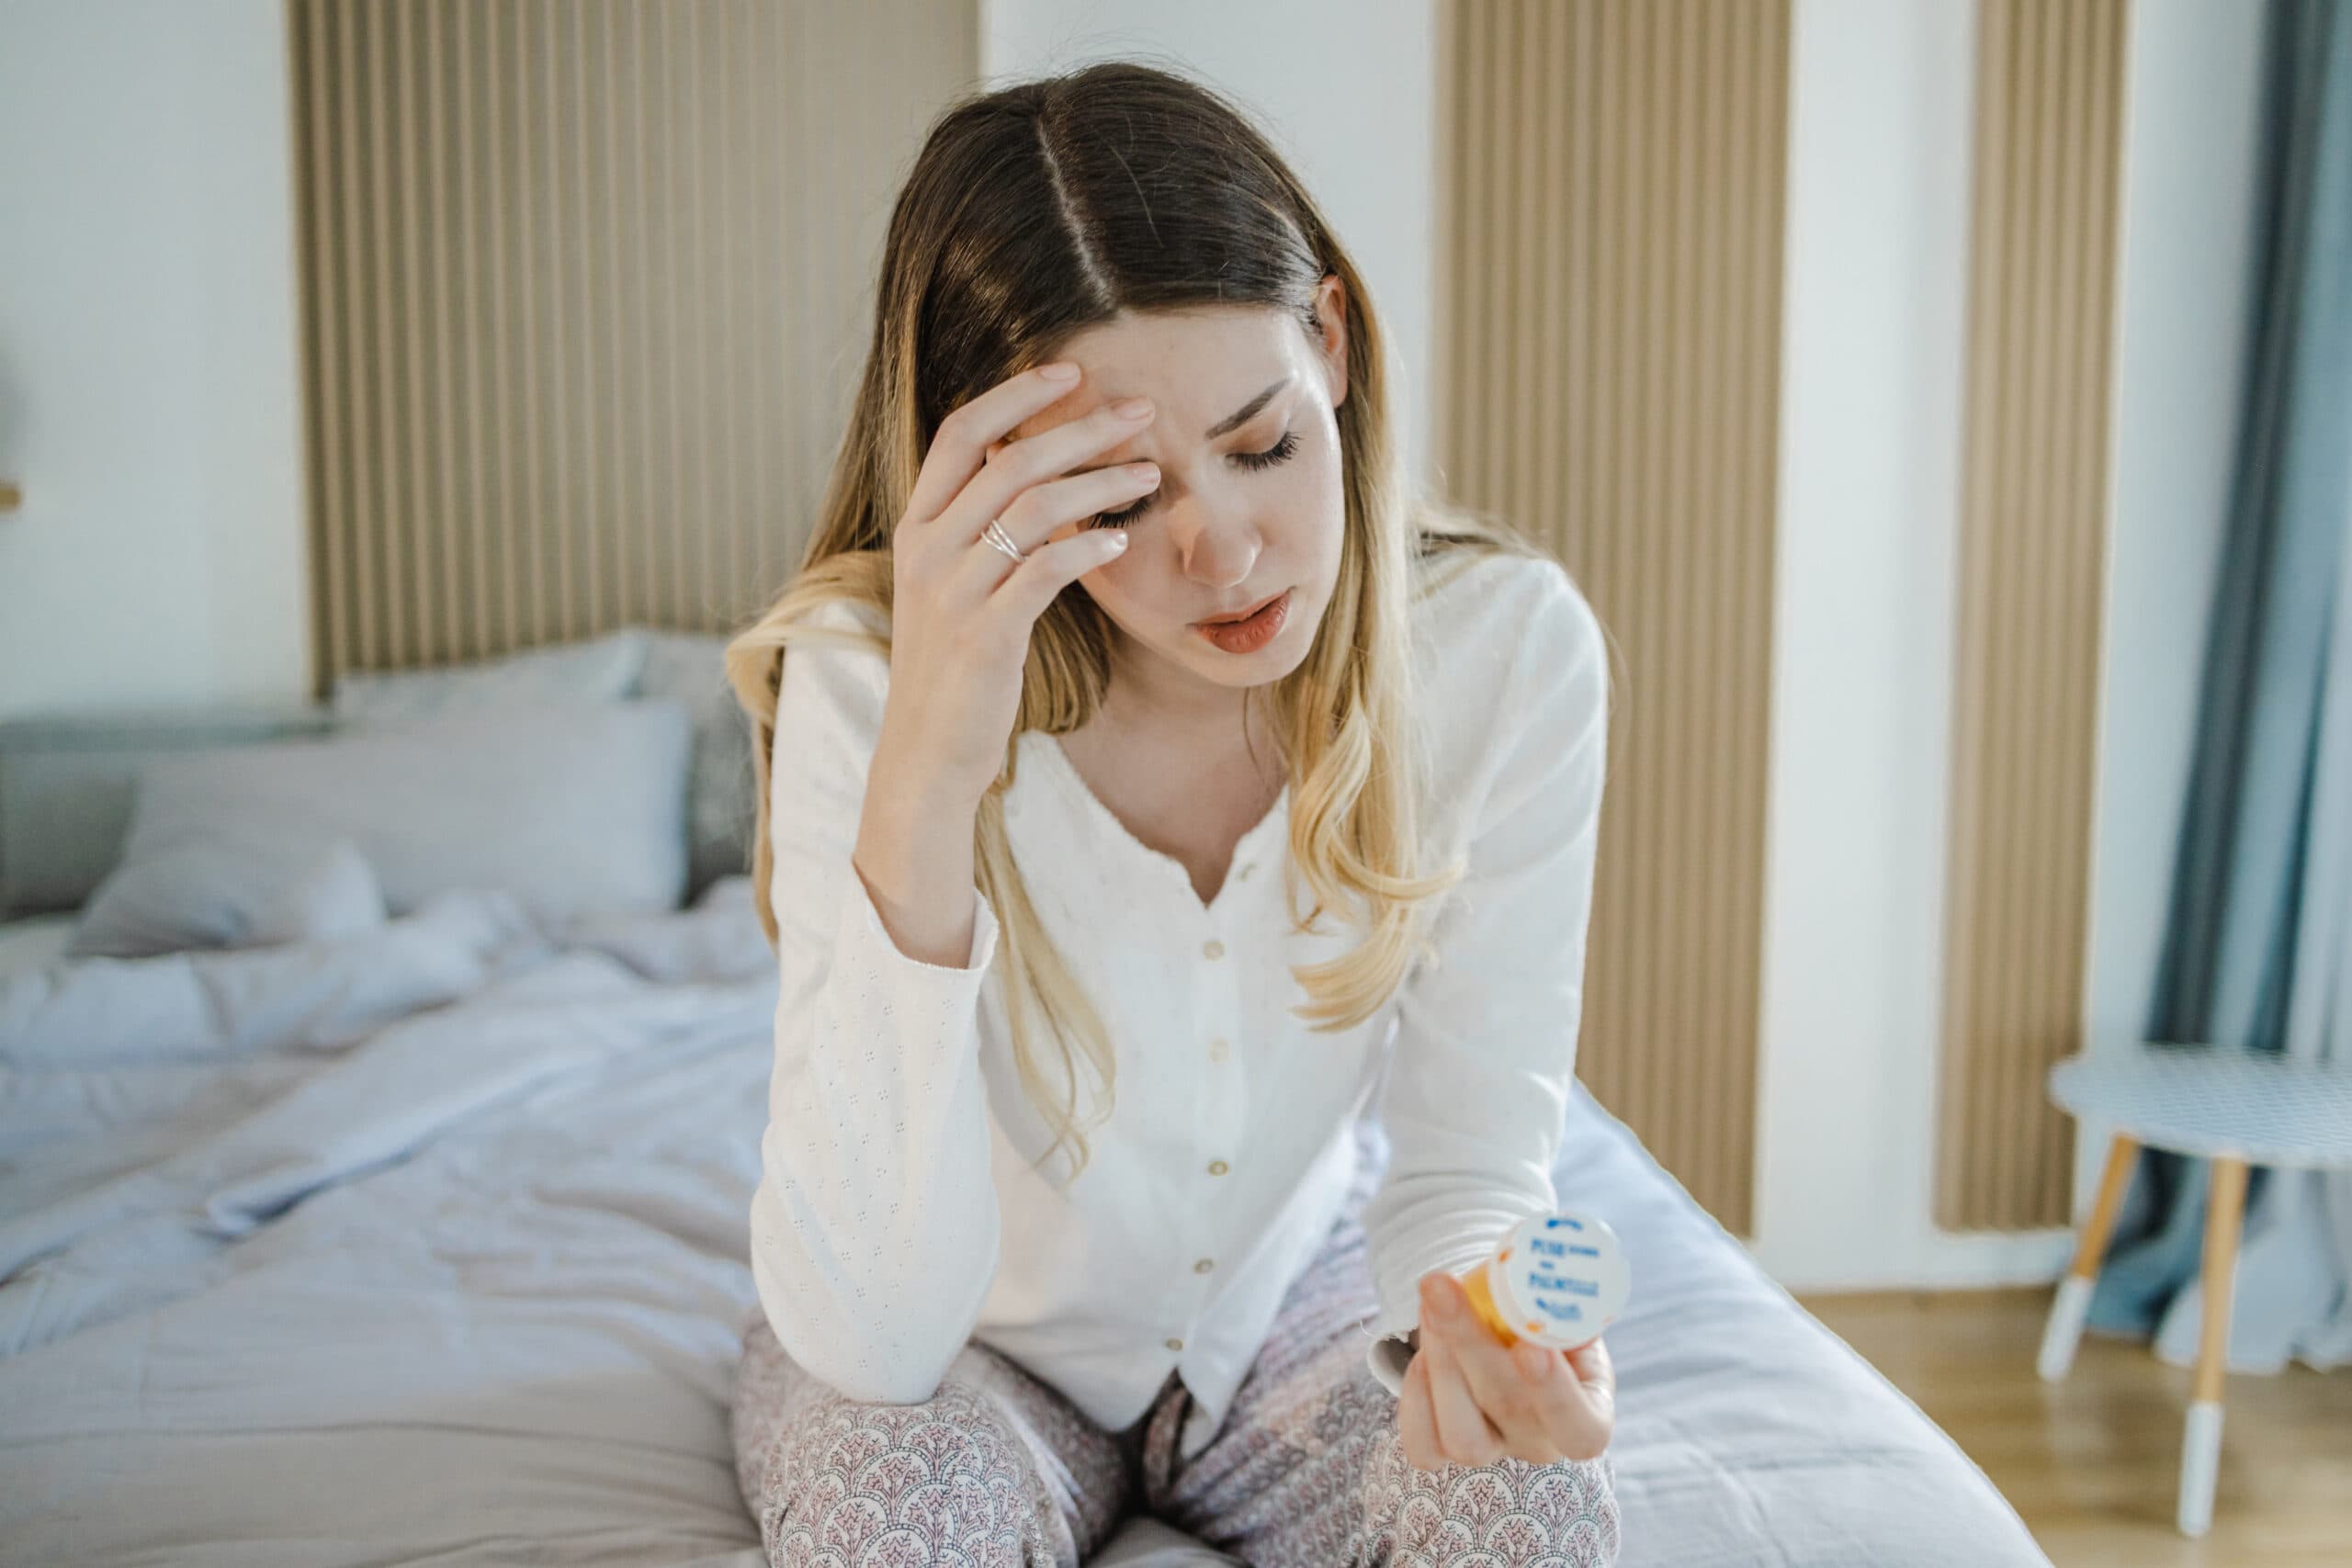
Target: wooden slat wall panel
[[586, 284], [1610, 304], [2049, 114]]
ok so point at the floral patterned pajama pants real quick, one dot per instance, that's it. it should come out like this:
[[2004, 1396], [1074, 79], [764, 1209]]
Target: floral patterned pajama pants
[[998, 1470]]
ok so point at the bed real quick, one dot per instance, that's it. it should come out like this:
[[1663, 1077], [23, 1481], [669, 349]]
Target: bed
[[419, 1239]]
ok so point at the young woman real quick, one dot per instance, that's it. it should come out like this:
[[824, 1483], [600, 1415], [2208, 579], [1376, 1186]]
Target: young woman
[[1150, 784]]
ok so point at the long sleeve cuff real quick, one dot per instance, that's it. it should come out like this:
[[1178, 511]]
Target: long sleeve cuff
[[1453, 1245], [1390, 1355], [867, 921]]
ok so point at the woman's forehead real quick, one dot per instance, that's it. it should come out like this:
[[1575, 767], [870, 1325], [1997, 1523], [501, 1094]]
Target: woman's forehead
[[1199, 368]]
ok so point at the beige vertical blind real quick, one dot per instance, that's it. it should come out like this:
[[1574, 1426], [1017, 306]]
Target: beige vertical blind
[[1610, 309], [2033, 517], [586, 286]]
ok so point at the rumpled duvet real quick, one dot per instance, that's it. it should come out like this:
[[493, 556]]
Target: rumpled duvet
[[423, 1246], [427, 1246]]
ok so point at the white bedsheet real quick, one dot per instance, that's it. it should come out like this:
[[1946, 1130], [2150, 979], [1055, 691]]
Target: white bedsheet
[[464, 1283]]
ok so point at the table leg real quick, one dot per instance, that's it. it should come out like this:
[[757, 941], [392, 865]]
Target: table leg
[[2200, 1449], [2064, 1329]]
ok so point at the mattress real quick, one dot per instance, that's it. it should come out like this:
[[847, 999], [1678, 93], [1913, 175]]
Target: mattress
[[430, 1248], [1747, 1433]]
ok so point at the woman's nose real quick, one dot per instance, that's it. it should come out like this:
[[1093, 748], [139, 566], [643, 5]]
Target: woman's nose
[[1220, 552]]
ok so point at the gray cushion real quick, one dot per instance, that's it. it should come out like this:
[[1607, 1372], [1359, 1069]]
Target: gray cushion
[[67, 783], [573, 807], [723, 797], [255, 891], [32, 945]]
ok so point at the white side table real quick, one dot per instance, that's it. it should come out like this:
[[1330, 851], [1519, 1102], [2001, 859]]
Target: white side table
[[2237, 1109]]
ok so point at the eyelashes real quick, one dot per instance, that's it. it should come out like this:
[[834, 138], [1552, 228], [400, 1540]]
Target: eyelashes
[[1280, 452]]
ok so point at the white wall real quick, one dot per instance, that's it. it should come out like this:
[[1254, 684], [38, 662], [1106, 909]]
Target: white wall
[[1871, 385], [1873, 329], [2190, 148], [148, 386], [1345, 88]]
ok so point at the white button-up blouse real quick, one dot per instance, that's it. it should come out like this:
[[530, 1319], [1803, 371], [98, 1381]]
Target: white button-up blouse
[[900, 1212]]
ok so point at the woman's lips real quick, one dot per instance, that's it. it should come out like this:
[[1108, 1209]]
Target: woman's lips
[[1229, 620], [1252, 632]]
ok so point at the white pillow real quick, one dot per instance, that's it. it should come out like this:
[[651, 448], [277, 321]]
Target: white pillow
[[573, 807], [600, 670], [227, 892]]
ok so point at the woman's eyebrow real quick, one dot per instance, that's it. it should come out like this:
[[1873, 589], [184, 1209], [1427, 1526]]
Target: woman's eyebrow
[[1242, 415], [1233, 421]]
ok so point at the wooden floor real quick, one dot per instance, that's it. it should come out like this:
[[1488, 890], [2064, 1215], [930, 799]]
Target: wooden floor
[[2093, 1464]]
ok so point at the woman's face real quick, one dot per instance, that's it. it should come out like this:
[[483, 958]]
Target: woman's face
[[1249, 507]]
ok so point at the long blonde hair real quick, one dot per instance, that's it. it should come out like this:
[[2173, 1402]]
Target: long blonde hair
[[1032, 212]]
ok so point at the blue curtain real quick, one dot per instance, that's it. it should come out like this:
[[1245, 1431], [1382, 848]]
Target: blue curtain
[[2228, 970]]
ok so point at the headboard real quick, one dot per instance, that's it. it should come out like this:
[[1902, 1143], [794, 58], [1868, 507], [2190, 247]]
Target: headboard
[[584, 290]]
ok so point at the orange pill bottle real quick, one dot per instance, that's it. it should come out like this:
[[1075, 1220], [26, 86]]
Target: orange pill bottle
[[1554, 1280]]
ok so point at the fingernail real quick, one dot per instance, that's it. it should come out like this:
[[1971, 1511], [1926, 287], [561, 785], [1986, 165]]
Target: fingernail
[[1535, 1361], [1447, 1301], [1060, 370], [1132, 408], [1113, 540]]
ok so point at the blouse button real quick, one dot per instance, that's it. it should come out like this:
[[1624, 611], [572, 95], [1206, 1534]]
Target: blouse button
[[1212, 948], [1175, 1344], [1218, 1168], [1204, 1265], [1219, 1049]]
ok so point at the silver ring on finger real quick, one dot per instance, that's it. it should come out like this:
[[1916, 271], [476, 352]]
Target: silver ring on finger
[[996, 535]]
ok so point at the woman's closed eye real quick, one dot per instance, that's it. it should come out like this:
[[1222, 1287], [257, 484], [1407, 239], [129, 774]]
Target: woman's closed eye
[[1280, 452]]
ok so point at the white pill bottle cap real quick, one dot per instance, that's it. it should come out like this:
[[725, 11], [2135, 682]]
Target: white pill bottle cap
[[1559, 1279]]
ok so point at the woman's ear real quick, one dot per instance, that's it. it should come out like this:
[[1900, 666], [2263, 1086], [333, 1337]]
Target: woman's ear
[[1331, 317]]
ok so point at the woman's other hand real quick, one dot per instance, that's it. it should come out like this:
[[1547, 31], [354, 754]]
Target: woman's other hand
[[1470, 1399]]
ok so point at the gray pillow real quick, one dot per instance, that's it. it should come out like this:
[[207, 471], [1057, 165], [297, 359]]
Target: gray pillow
[[721, 797], [600, 670], [573, 807], [257, 891]]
